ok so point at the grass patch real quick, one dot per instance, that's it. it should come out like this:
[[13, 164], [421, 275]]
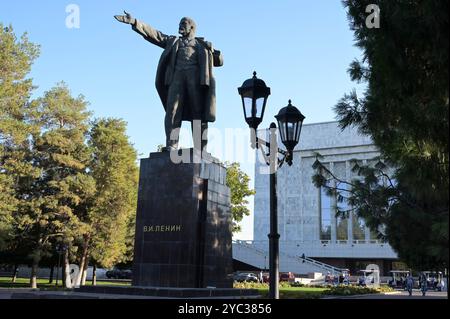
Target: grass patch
[[5, 282], [286, 290], [296, 293]]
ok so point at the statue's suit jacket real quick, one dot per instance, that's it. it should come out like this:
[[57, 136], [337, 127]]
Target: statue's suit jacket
[[166, 68]]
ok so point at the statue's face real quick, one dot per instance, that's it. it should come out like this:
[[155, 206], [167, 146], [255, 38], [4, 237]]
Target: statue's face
[[185, 28]]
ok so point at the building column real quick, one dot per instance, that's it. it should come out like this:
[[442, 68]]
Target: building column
[[302, 200], [350, 216], [366, 229], [367, 234], [332, 211]]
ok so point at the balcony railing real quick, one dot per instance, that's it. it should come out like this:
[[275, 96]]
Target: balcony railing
[[322, 242]]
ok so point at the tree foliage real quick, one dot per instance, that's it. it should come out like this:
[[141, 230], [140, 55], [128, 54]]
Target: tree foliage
[[405, 110], [17, 115], [63, 179], [114, 168], [52, 203], [238, 182]]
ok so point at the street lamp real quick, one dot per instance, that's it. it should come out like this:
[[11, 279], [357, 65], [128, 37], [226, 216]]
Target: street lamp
[[290, 122], [255, 93]]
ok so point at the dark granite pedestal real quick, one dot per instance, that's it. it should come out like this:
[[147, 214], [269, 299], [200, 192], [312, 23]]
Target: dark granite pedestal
[[183, 225]]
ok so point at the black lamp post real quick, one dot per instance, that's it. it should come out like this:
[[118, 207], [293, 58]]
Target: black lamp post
[[255, 93], [60, 249], [290, 122]]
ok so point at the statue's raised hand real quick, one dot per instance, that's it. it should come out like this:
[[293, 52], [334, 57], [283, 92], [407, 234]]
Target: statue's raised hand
[[127, 18]]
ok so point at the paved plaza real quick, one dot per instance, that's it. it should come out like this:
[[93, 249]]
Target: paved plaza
[[417, 294], [30, 294]]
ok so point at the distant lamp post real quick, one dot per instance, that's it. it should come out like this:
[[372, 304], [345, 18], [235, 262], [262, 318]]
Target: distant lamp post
[[60, 249], [254, 94], [290, 122]]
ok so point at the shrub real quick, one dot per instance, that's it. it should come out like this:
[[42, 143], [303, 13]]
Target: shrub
[[250, 285], [385, 288], [285, 284], [349, 290]]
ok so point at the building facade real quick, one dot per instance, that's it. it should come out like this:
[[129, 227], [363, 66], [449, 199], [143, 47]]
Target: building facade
[[307, 215]]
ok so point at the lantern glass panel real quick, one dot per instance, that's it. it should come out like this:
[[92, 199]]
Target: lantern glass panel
[[260, 107], [248, 104], [290, 131], [282, 130], [299, 130]]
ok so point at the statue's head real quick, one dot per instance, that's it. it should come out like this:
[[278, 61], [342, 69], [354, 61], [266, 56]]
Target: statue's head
[[187, 27]]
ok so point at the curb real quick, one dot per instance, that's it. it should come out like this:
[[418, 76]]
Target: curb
[[392, 293], [349, 296]]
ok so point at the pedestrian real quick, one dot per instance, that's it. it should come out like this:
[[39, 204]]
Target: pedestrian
[[423, 284], [347, 279], [328, 278], [443, 285], [409, 284]]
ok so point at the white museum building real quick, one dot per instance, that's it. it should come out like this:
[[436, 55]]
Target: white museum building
[[306, 214]]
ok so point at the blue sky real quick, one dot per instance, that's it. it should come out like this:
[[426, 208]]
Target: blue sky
[[301, 48]]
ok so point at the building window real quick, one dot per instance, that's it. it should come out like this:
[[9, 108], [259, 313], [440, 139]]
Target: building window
[[359, 228], [358, 224], [341, 221], [325, 215], [373, 235], [341, 228]]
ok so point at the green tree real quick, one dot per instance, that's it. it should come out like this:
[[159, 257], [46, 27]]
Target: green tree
[[57, 197], [238, 182], [110, 219], [7, 201], [54, 187], [405, 109], [17, 114]]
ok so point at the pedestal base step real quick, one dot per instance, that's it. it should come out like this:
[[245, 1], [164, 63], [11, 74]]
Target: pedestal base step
[[170, 292]]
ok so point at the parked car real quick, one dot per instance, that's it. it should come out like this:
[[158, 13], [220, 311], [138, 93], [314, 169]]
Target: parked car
[[119, 274], [287, 276], [245, 277]]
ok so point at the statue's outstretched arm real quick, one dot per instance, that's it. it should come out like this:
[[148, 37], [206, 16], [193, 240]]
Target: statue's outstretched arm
[[127, 18], [150, 34]]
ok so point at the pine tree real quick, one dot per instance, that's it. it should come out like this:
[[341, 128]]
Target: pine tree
[[112, 212], [17, 114], [405, 109], [56, 198]]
